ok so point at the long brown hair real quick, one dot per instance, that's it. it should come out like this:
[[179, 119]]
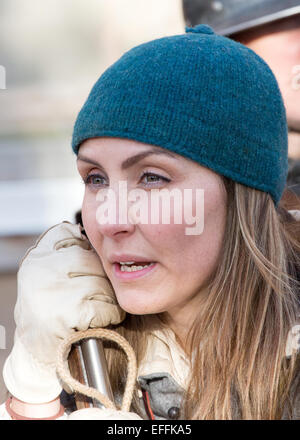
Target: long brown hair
[[238, 341]]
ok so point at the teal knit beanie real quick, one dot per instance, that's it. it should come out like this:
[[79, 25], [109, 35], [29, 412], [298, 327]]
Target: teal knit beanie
[[200, 95]]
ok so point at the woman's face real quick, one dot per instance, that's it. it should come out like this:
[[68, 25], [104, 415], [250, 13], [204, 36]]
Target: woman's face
[[182, 263]]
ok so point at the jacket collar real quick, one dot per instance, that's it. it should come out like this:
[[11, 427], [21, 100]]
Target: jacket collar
[[164, 355]]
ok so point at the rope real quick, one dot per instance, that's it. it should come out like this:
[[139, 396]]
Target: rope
[[64, 372]]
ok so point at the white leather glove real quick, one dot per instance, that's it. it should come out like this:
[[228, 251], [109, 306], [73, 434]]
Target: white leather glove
[[102, 414], [62, 287]]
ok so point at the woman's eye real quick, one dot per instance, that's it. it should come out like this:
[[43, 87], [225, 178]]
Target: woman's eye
[[94, 180], [147, 179], [151, 178]]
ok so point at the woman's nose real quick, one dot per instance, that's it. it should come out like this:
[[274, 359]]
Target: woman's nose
[[116, 230], [112, 214]]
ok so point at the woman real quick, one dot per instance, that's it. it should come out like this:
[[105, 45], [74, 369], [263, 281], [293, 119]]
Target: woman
[[209, 309]]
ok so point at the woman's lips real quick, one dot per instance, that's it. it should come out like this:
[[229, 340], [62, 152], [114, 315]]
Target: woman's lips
[[134, 274]]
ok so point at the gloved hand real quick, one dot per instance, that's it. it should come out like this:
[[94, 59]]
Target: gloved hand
[[62, 287], [102, 414]]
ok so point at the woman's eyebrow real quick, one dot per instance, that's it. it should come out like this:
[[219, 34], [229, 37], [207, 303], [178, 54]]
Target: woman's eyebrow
[[131, 160], [138, 157]]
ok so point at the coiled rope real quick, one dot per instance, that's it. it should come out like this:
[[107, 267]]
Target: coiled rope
[[65, 375]]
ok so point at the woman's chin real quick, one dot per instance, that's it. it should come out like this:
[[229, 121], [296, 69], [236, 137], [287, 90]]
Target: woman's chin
[[137, 307]]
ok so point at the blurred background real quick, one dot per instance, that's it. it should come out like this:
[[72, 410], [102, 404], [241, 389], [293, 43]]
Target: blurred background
[[51, 53]]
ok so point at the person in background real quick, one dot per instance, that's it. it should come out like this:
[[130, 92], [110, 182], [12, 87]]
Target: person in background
[[272, 29]]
